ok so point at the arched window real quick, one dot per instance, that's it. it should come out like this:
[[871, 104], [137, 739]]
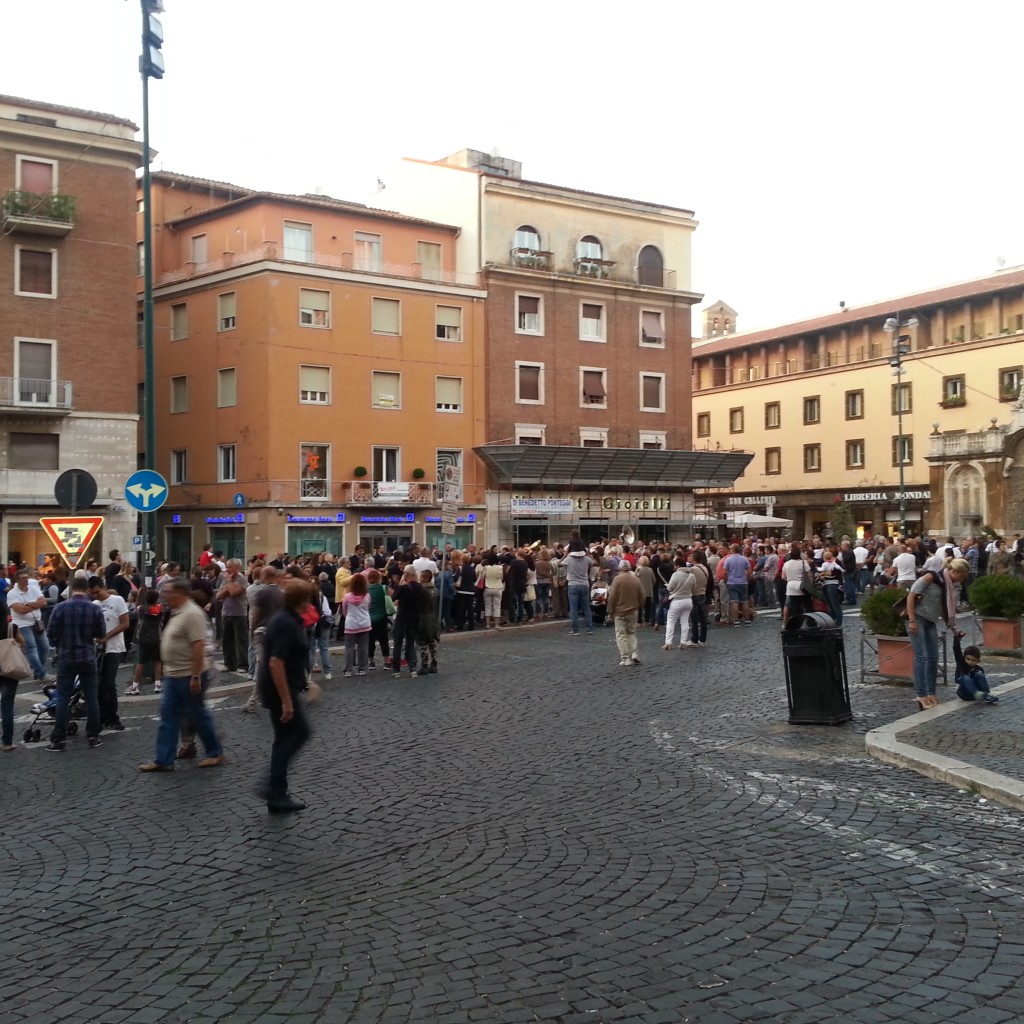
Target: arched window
[[588, 248], [650, 267], [527, 237]]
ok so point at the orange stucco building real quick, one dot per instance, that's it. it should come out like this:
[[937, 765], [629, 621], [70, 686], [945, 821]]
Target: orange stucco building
[[318, 368]]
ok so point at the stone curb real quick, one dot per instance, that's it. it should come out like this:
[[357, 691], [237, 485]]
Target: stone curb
[[885, 745]]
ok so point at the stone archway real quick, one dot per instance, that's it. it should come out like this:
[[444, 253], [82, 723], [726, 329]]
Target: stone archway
[[965, 500]]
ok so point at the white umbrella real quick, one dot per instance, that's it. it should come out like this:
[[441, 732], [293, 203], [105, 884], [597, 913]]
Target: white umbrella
[[752, 519]]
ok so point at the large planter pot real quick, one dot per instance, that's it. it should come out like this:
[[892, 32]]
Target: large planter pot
[[895, 656], [1001, 636]]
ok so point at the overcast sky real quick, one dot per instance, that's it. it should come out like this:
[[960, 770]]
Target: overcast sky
[[830, 150]]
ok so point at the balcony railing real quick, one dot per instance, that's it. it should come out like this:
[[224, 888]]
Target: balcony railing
[[336, 261], [530, 259], [35, 395], [979, 442], [587, 266], [375, 492], [314, 489], [42, 213]]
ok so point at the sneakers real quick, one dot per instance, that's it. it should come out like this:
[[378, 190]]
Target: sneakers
[[991, 698], [574, 632], [358, 674], [329, 677], [55, 748], [133, 691], [624, 662], [413, 674], [347, 675], [158, 687], [634, 660], [95, 741], [396, 675], [687, 643], [249, 709]]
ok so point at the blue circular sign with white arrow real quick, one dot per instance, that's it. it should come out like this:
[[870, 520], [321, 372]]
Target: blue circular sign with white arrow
[[145, 490]]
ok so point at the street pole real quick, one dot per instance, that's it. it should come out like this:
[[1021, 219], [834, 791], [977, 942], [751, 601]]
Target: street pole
[[892, 326]]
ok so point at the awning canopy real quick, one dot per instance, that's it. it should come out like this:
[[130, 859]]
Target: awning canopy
[[541, 465]]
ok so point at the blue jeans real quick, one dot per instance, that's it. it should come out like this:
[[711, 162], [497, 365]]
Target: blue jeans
[[579, 600], [66, 672], [835, 604], [176, 699], [321, 641], [543, 598], [850, 587], [516, 605], [661, 612], [925, 641], [37, 650], [404, 634], [969, 685]]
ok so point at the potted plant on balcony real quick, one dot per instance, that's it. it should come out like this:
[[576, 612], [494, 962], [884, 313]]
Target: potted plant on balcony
[[953, 402], [889, 631], [418, 474], [999, 602], [359, 472]]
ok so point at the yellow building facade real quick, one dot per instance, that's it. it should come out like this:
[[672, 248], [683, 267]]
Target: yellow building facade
[[834, 408]]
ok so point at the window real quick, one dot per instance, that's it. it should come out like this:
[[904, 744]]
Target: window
[[855, 454], [448, 458], [902, 399], [386, 464], [386, 316], [652, 327], [530, 383], [812, 458], [902, 450], [314, 385], [179, 465], [428, 256], [179, 394], [140, 259], [703, 424], [140, 398], [772, 415], [588, 248], [591, 321], [653, 440], [35, 367], [448, 394], [530, 433], [1009, 382], [954, 390], [35, 272], [225, 463], [36, 175], [227, 387], [592, 385], [448, 323], [179, 321], [593, 437], [298, 242], [314, 308], [140, 329], [652, 392], [314, 471], [526, 238], [197, 249], [368, 251], [854, 405], [386, 390], [772, 461], [812, 410], [226, 320], [33, 451], [650, 267], [529, 314], [1018, 323], [960, 332], [735, 421]]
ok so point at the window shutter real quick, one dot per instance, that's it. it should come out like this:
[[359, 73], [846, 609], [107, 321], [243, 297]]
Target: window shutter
[[315, 378], [385, 316], [529, 304], [35, 360], [386, 390], [449, 316], [310, 298], [592, 384], [227, 388], [448, 392], [36, 177], [36, 271], [591, 311], [34, 451], [653, 330], [652, 392], [529, 383]]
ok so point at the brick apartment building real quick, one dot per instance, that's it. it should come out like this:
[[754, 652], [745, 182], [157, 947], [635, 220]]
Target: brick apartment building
[[67, 310]]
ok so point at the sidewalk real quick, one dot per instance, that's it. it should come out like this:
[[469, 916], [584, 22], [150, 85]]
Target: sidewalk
[[973, 746]]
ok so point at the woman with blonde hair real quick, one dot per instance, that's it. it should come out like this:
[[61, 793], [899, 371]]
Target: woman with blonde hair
[[932, 596]]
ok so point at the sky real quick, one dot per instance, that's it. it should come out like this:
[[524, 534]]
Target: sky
[[831, 151]]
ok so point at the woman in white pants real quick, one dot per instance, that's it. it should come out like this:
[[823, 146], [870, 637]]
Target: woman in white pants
[[680, 601]]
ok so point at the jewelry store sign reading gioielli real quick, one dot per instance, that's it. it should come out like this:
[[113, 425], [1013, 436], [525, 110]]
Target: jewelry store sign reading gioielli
[[567, 506]]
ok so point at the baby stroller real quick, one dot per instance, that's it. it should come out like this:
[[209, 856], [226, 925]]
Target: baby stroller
[[599, 605], [48, 708]]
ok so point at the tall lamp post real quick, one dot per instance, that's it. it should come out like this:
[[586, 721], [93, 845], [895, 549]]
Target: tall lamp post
[[900, 347], [151, 65]]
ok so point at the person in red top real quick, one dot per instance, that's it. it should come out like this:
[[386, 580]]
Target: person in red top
[[206, 557]]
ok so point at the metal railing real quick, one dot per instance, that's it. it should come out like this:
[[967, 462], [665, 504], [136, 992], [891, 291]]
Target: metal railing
[[43, 206], [29, 393], [378, 492], [315, 489]]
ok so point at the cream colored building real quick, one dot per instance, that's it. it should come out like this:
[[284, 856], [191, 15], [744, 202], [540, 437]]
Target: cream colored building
[[820, 404]]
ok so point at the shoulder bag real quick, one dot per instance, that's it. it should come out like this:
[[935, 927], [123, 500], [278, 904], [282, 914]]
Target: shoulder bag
[[13, 663]]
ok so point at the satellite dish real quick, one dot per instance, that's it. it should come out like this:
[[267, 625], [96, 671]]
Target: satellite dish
[[1000, 262]]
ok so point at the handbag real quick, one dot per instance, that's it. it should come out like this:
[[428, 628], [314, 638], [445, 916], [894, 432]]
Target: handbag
[[531, 593], [806, 582], [13, 663], [38, 627], [389, 606]]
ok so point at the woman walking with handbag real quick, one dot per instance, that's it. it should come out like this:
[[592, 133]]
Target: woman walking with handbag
[[14, 667]]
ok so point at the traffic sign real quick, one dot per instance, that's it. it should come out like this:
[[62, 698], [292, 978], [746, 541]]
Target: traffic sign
[[145, 490], [75, 489], [450, 509], [239, 500], [448, 526], [71, 535]]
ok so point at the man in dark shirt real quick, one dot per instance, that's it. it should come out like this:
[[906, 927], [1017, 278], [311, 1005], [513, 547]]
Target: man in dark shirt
[[281, 677], [408, 598], [515, 580], [74, 628]]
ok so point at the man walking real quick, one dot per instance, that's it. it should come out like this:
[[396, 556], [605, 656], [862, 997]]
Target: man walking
[[264, 600], [26, 601], [625, 599], [115, 622], [234, 617], [75, 626]]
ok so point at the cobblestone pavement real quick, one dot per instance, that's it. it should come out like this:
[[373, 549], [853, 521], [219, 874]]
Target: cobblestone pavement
[[532, 834]]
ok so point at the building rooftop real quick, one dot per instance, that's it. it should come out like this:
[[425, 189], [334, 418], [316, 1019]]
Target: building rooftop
[[55, 108]]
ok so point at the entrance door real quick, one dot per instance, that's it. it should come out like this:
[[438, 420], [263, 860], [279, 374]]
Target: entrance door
[[389, 539], [462, 539], [311, 540], [178, 546], [230, 540]]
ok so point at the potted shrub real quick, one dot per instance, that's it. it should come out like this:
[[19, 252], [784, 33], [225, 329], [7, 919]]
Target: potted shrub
[[359, 471], [418, 474], [889, 631], [999, 601]]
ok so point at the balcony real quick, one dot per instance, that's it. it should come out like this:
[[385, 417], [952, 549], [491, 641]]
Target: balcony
[[46, 397], [980, 442], [315, 490], [586, 266], [530, 259], [38, 213], [378, 492]]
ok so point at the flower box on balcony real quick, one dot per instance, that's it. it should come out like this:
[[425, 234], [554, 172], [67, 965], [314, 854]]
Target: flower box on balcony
[[953, 403]]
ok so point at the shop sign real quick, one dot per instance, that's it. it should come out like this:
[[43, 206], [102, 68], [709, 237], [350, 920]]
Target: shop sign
[[409, 517], [470, 518], [609, 504], [753, 499], [387, 491], [887, 496], [239, 517], [337, 518], [542, 506]]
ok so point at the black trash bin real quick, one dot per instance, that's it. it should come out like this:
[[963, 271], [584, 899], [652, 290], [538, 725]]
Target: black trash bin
[[815, 660]]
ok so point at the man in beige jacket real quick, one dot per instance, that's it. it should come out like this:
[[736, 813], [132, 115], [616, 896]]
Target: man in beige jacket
[[625, 599]]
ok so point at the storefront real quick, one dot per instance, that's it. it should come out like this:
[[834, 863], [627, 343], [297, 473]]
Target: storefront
[[311, 535], [465, 532]]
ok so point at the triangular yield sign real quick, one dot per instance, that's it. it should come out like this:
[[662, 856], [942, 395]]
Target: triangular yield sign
[[71, 535]]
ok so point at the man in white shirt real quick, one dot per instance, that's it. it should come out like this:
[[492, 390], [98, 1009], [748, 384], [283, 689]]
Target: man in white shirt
[[860, 553], [115, 622], [905, 565], [423, 563], [26, 601]]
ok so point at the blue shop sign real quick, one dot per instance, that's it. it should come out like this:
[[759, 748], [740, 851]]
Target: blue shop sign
[[226, 520], [470, 518], [337, 518], [409, 517]]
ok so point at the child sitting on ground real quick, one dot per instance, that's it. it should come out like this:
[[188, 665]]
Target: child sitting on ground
[[971, 683]]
